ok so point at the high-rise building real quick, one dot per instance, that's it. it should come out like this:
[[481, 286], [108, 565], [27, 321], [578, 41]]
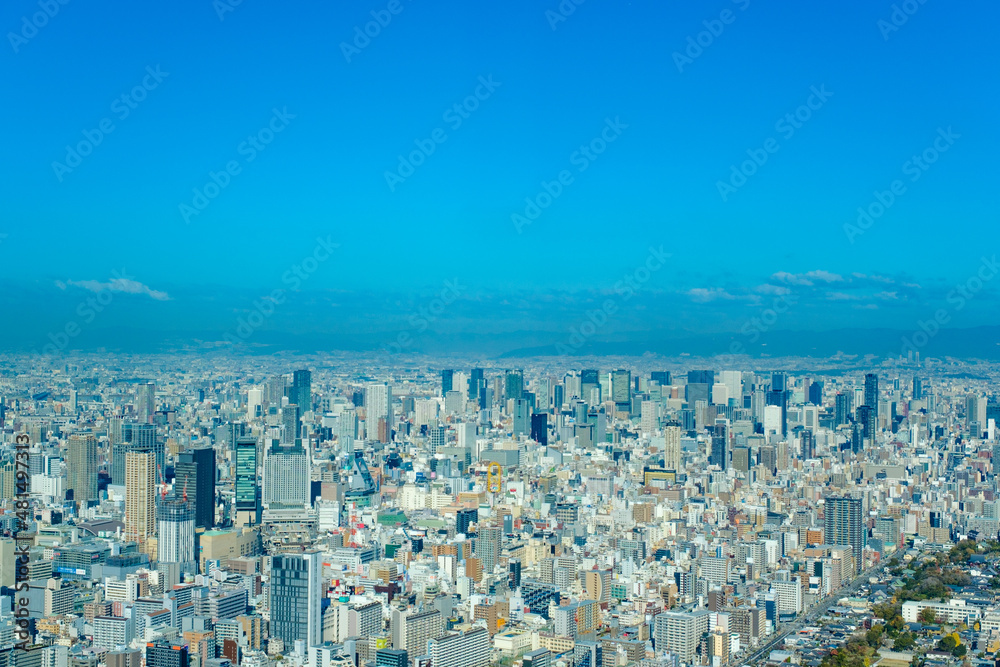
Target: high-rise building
[[540, 428], [295, 595], [680, 632], [247, 490], [462, 649], [162, 653], [621, 389], [808, 442], [672, 445], [81, 470], [175, 540], [513, 386], [476, 382], [390, 657], [871, 392], [140, 496], [845, 525], [135, 438], [816, 393], [145, 402], [300, 393], [522, 417], [918, 389], [488, 542], [413, 630], [465, 518], [195, 478], [286, 476], [378, 411], [447, 381], [291, 423], [719, 454], [843, 408]]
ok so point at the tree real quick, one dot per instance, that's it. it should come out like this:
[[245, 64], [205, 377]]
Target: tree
[[927, 616], [874, 636], [947, 643], [904, 642], [959, 651]]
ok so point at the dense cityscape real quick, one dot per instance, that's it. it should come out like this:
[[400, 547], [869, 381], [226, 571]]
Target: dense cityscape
[[317, 512]]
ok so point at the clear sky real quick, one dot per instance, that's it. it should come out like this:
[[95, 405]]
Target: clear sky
[[675, 116]]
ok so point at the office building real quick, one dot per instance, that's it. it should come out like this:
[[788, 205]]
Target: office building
[[81, 470], [845, 525], [195, 478], [295, 596], [140, 496]]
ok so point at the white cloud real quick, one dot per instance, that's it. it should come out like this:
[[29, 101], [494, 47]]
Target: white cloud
[[117, 284], [706, 294], [776, 290], [807, 279]]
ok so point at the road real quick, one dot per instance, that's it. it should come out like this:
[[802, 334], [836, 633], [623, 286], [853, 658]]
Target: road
[[811, 614]]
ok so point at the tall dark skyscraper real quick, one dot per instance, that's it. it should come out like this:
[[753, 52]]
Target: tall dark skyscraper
[[540, 428], [295, 598], [871, 391], [816, 393], [558, 397], [475, 383], [918, 389], [195, 476], [447, 381], [808, 445], [513, 385], [300, 393], [720, 447], [866, 417], [844, 525], [857, 437], [661, 377], [779, 382], [589, 380], [842, 408], [779, 398], [247, 485]]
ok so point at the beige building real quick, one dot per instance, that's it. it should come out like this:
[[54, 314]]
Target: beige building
[[140, 496]]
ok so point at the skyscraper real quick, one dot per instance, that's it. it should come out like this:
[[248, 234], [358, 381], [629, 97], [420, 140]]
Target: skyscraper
[[166, 654], [247, 489], [295, 598], [844, 525], [140, 495], [522, 417], [195, 478], [488, 542], [621, 390], [672, 445], [378, 411], [540, 428], [286, 476], [719, 454], [476, 382], [300, 392], [447, 381], [871, 393], [145, 402], [175, 541], [843, 408], [81, 472], [135, 438], [513, 385]]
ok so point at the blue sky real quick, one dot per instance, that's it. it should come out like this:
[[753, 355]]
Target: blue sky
[[557, 84]]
